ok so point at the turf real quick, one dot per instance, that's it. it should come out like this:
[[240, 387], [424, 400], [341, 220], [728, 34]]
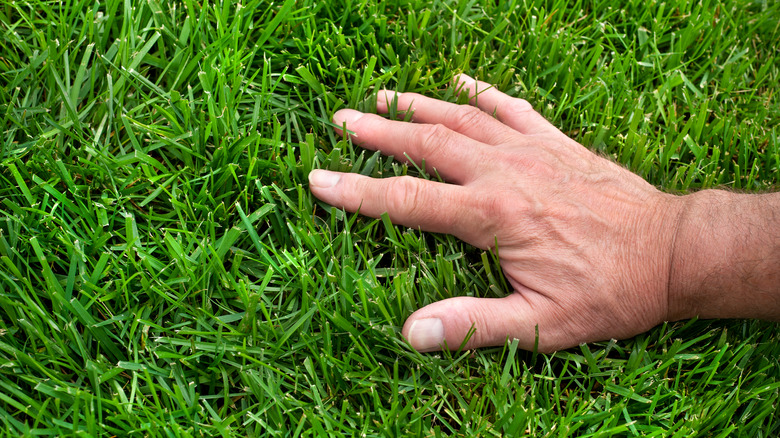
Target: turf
[[164, 270]]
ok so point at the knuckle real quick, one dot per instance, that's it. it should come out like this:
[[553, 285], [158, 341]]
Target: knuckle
[[541, 163], [483, 333], [523, 162], [403, 196], [497, 208], [492, 210], [434, 139], [464, 117], [516, 105], [473, 314]]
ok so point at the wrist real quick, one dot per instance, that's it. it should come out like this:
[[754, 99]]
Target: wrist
[[724, 261]]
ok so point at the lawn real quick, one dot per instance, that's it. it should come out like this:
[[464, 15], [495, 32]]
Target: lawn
[[164, 270]]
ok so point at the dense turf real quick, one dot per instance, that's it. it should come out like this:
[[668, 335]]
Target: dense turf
[[164, 270]]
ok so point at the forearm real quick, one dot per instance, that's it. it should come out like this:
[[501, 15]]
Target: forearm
[[726, 257]]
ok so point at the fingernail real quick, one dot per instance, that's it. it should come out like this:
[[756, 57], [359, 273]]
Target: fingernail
[[347, 116], [323, 179], [426, 334]]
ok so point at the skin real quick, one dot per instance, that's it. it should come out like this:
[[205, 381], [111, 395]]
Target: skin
[[592, 251]]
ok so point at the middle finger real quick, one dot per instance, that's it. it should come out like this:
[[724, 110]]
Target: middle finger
[[454, 156]]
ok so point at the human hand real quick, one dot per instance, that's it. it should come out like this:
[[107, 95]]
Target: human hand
[[586, 244]]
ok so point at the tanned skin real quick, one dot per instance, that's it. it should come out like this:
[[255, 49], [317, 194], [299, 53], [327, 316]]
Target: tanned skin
[[592, 251]]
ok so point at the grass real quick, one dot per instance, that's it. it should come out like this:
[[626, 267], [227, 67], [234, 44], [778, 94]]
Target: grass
[[164, 270]]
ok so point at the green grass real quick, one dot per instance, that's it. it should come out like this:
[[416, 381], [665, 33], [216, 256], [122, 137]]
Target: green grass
[[164, 270]]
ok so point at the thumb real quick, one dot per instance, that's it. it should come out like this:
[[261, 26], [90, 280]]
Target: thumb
[[447, 323]]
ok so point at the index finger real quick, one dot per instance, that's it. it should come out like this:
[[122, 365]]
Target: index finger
[[412, 202], [464, 119]]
